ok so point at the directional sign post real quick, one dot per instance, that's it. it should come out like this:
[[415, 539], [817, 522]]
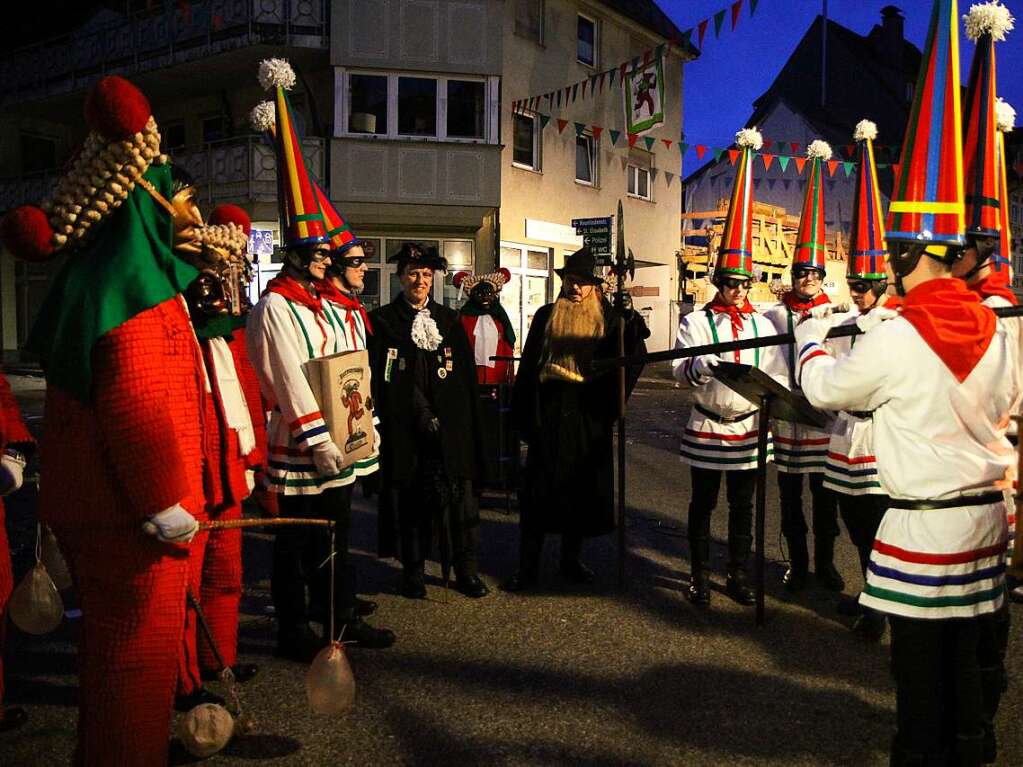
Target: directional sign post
[[596, 234]]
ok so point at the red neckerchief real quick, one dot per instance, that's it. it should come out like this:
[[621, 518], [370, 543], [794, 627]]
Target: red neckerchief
[[994, 284], [292, 290], [799, 306], [890, 302], [718, 306], [350, 303], [952, 321]]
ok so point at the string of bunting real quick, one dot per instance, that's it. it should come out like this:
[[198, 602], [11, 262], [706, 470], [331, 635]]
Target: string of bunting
[[614, 76]]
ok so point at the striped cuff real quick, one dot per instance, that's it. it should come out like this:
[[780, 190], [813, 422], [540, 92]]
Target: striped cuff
[[309, 430], [807, 353]]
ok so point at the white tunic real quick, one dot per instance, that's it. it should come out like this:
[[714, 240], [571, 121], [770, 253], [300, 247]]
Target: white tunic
[[798, 449], [707, 443], [281, 336], [934, 438]]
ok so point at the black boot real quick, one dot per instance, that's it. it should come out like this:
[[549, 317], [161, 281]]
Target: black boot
[[824, 563], [528, 576], [413, 582], [870, 625], [355, 630], [799, 564], [471, 585], [572, 569], [699, 588], [737, 587], [699, 556]]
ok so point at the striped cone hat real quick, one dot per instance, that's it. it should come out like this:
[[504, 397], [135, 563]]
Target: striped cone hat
[[810, 247], [927, 203], [1001, 259], [302, 217], [867, 246], [985, 24], [735, 254]]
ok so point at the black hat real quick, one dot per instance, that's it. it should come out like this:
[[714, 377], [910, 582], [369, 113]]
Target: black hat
[[418, 255], [580, 265]]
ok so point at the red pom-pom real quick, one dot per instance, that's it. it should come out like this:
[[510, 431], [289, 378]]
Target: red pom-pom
[[459, 278], [505, 273], [116, 109], [232, 214], [26, 232]]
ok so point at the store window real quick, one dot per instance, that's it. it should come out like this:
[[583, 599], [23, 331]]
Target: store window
[[526, 141], [368, 100], [586, 41]]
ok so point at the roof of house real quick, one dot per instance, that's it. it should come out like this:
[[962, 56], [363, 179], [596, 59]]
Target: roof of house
[[650, 15]]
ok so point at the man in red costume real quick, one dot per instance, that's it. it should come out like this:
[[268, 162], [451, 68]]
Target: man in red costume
[[123, 435], [16, 443]]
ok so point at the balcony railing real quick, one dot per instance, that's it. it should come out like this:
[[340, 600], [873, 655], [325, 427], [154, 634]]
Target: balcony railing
[[239, 170], [150, 40]]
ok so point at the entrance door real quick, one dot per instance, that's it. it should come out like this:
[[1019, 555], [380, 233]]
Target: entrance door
[[528, 288]]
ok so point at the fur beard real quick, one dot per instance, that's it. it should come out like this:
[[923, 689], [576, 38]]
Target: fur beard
[[572, 335]]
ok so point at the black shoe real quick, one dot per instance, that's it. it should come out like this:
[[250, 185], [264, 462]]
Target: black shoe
[[520, 583], [472, 586], [828, 577], [195, 698], [300, 645], [575, 571], [413, 585], [870, 626], [365, 607], [12, 718], [849, 606], [794, 578], [361, 634], [242, 672], [799, 564], [738, 589], [699, 589]]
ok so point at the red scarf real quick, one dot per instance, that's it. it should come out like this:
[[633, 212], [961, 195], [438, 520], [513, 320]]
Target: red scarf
[[953, 322], [890, 302], [330, 292], [994, 284], [718, 306], [799, 306], [292, 290]]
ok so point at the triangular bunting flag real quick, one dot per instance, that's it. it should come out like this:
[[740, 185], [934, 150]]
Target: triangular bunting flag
[[756, 183], [700, 151], [559, 98], [850, 150], [733, 155], [768, 143], [659, 50], [768, 159], [771, 182], [783, 162], [786, 182], [736, 8], [795, 148], [687, 38], [718, 151], [561, 124], [653, 175], [544, 119], [719, 19], [621, 71], [632, 140], [800, 164], [597, 130], [668, 177], [667, 142], [568, 93], [848, 168], [702, 27], [580, 129], [753, 6], [649, 141], [683, 147], [611, 77], [614, 136], [575, 92], [583, 94], [832, 167], [625, 161]]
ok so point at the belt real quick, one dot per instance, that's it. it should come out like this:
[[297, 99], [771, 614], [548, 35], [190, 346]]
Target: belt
[[723, 418], [947, 503], [861, 413]]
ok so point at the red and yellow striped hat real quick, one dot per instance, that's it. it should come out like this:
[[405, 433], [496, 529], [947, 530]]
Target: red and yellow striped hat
[[867, 246], [735, 254], [810, 248]]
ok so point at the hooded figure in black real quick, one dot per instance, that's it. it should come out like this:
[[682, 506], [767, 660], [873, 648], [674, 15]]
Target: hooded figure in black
[[565, 412], [424, 386]]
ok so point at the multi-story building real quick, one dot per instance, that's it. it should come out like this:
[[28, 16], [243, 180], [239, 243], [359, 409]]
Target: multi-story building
[[405, 108]]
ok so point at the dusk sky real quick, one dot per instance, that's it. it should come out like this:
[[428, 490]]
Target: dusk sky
[[735, 69]]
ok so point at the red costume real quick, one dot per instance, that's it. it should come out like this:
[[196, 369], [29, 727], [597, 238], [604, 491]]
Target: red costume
[[503, 371]]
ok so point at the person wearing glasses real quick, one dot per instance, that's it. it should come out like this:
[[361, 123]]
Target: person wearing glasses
[[798, 449], [721, 435]]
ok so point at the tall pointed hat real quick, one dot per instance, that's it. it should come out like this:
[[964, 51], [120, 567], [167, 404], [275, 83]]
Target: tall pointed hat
[[735, 254], [302, 219], [867, 247], [986, 24], [927, 203], [1001, 259], [264, 120], [810, 248]]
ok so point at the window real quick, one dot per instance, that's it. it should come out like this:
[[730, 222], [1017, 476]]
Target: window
[[368, 99], [586, 41], [214, 128], [638, 173], [529, 20], [417, 106], [172, 134], [585, 160], [526, 141], [466, 108], [458, 254]]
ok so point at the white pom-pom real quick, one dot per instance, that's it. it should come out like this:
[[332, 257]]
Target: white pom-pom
[[988, 19], [1005, 115], [263, 116], [276, 72], [819, 150], [750, 137], [865, 131]]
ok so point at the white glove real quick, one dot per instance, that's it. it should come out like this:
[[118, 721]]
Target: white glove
[[703, 367], [11, 474], [875, 317], [328, 459], [810, 330], [250, 480], [173, 525], [823, 310]]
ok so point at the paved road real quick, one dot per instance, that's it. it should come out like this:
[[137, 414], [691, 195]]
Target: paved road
[[596, 676]]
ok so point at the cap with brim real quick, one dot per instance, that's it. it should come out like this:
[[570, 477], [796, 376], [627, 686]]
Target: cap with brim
[[417, 255]]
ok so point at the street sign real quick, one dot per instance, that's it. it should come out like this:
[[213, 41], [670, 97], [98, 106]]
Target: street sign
[[592, 223], [598, 241], [596, 234]]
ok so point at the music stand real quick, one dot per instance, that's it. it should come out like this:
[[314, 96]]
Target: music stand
[[775, 401]]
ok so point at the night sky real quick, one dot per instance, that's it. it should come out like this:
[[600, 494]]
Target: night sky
[[732, 71]]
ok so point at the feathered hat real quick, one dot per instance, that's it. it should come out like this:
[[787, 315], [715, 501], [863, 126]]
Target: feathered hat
[[810, 247], [927, 203], [123, 142], [985, 24], [867, 247], [467, 280], [302, 218], [342, 238], [1001, 259], [735, 254]]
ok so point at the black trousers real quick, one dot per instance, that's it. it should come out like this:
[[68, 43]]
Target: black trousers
[[301, 557], [417, 521], [862, 516], [739, 488], [946, 693], [824, 507]]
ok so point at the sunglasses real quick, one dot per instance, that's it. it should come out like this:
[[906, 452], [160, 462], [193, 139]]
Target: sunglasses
[[733, 283], [807, 274], [858, 286]]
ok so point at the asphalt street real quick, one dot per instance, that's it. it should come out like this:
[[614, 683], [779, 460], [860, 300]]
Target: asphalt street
[[597, 676]]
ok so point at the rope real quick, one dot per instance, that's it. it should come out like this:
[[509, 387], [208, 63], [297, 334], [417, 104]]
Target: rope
[[230, 524]]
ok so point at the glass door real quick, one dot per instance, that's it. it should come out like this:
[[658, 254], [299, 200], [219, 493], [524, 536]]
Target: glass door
[[529, 286]]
